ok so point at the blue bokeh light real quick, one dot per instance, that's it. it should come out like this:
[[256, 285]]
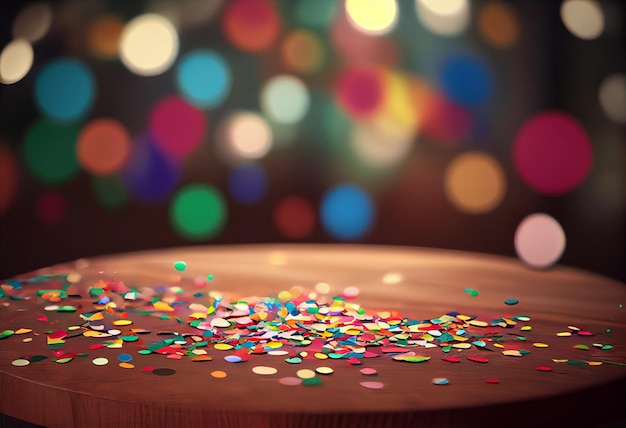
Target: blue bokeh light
[[203, 78], [466, 79], [247, 184], [65, 90], [347, 212]]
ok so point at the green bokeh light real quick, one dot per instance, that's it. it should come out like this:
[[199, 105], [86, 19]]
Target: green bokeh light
[[109, 191], [50, 151], [198, 212], [316, 13]]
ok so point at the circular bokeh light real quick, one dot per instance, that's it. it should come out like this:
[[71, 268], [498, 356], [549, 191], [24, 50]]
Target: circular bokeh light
[[33, 22], [198, 212], [65, 90], [378, 148], [360, 91], [539, 240], [8, 178], [247, 184], [103, 36], [149, 175], [51, 207], [317, 14], [244, 136], [475, 183], [103, 146], [251, 25], [109, 191], [498, 24], [294, 217], [552, 153], [285, 99], [347, 212], [16, 59], [444, 121], [148, 45], [612, 97], [583, 18], [50, 151], [373, 17], [203, 78], [466, 79], [302, 52], [177, 126], [445, 18]]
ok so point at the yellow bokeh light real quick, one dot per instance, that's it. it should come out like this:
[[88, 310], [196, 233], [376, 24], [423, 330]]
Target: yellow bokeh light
[[148, 45], [445, 18], [16, 59], [475, 183], [374, 17], [612, 96], [583, 18]]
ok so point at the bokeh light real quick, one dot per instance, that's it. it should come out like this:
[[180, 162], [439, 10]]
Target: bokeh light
[[203, 78], [316, 14], [378, 148], [347, 212], [148, 45], [539, 240], [445, 18], [103, 146], [103, 36], [302, 52], [612, 95], [149, 175], [373, 17], [186, 14], [466, 79], [360, 91], [583, 18], [247, 184], [552, 153], [8, 178], [65, 90], [109, 191], [396, 115], [475, 183], [285, 99], [198, 212], [251, 25], [177, 126], [294, 217], [16, 59], [33, 22], [51, 207], [243, 136], [498, 24], [50, 151], [443, 121]]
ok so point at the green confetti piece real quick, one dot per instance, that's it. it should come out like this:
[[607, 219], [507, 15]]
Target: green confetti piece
[[180, 266], [36, 358], [312, 381], [64, 360], [129, 338], [582, 347], [210, 277], [144, 351], [67, 309], [606, 347], [474, 293], [6, 333]]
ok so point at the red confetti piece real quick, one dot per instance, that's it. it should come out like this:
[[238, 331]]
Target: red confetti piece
[[544, 369], [478, 359], [42, 319], [452, 359], [97, 346], [584, 333], [492, 380], [147, 369], [353, 361]]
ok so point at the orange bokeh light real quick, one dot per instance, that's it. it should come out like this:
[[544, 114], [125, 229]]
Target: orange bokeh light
[[103, 146]]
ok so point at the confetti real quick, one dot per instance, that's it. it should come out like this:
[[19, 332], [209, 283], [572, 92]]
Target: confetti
[[264, 370], [125, 357], [101, 361], [368, 371], [452, 359], [511, 302], [481, 360], [324, 370], [219, 374], [20, 362], [305, 373], [126, 365], [312, 381], [290, 381], [294, 360], [6, 333], [372, 385], [540, 345], [492, 380], [440, 381], [544, 369], [180, 266]]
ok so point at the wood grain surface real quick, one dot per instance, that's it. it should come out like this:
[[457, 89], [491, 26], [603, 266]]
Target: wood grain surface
[[426, 284]]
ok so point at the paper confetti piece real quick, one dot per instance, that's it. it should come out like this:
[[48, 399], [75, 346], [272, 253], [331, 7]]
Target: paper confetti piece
[[440, 381], [20, 362], [544, 369], [481, 360], [452, 359], [202, 357], [126, 365], [22, 331], [290, 381], [368, 371], [219, 374], [324, 370], [100, 361], [305, 373], [264, 370], [312, 381], [492, 380], [6, 333], [372, 385], [581, 347], [180, 266], [540, 345]]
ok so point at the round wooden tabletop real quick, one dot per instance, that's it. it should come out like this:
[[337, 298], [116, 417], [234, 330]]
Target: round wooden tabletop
[[442, 329]]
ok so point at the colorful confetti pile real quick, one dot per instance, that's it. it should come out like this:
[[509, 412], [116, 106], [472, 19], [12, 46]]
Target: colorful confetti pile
[[292, 324]]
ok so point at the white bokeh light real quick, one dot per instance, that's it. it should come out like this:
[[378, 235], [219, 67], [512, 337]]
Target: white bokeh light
[[16, 60], [612, 95], [539, 240], [444, 17], [583, 18], [243, 136], [373, 17], [148, 45], [285, 99]]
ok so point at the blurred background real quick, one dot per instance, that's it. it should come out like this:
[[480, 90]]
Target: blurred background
[[488, 125]]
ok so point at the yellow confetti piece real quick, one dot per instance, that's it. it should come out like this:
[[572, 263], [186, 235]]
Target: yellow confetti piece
[[320, 356], [512, 353], [219, 374], [198, 315], [126, 365], [122, 322], [564, 334], [559, 361], [223, 346], [162, 306], [462, 345], [526, 328], [595, 363], [498, 345], [305, 374], [477, 323], [274, 345], [22, 331], [324, 370], [28, 339], [540, 345]]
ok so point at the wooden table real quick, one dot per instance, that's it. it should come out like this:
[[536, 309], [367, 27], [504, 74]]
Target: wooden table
[[420, 284]]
